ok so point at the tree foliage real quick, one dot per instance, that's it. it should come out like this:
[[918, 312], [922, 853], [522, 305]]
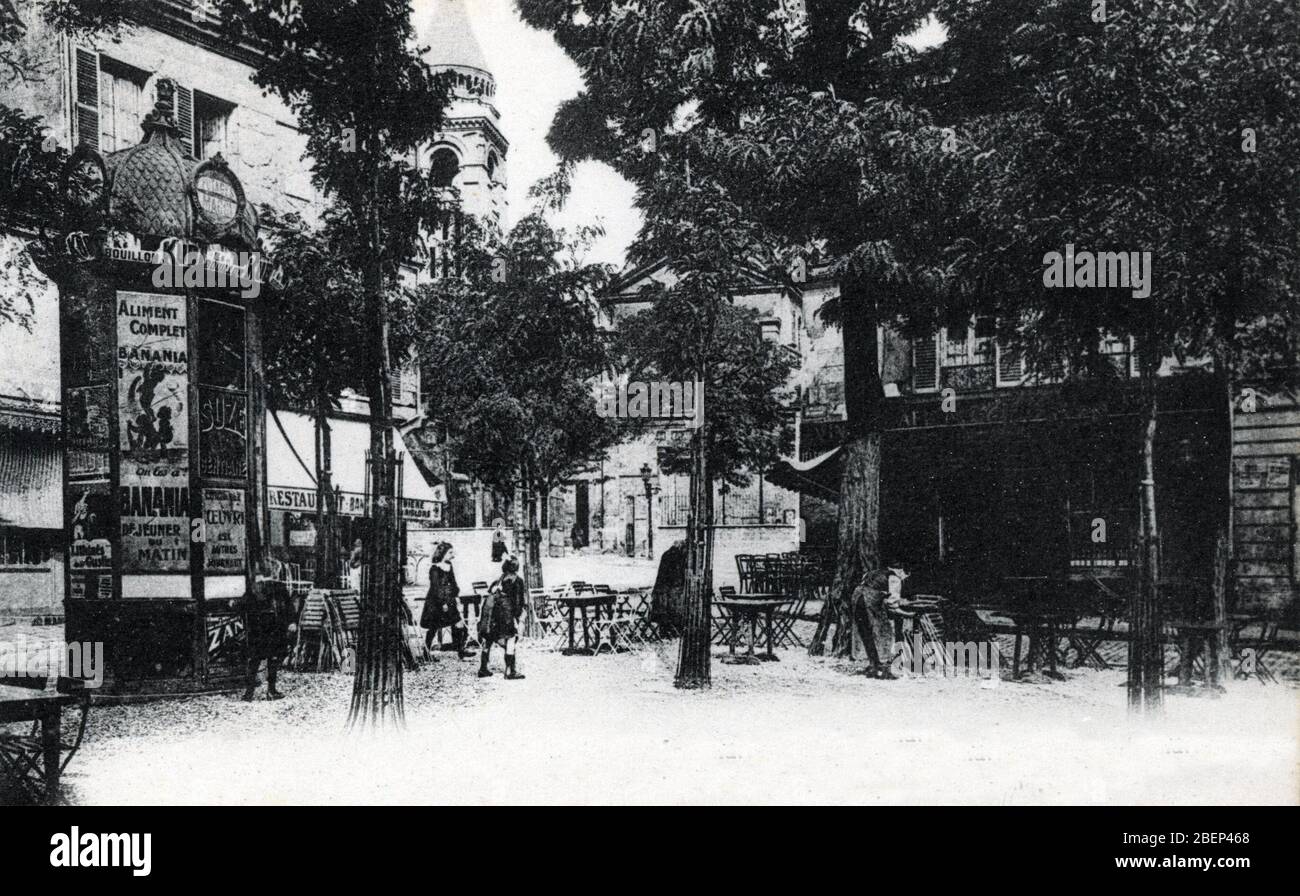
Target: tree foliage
[[516, 345]]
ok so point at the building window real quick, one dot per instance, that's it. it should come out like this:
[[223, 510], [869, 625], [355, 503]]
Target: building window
[[968, 342], [444, 165], [212, 129], [122, 105]]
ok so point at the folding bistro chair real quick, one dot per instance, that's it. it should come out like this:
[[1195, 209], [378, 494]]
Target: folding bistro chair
[[745, 570], [1263, 639], [721, 620], [312, 619], [22, 752], [550, 625], [346, 618], [786, 577]]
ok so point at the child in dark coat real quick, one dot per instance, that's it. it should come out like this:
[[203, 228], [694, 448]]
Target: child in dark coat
[[442, 603], [499, 623]]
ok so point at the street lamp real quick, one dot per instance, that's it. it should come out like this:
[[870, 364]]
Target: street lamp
[[646, 474]]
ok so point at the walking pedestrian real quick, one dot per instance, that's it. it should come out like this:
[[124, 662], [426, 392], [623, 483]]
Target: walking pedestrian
[[499, 623], [442, 603]]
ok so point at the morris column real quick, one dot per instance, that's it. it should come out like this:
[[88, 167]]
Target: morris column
[[159, 276]]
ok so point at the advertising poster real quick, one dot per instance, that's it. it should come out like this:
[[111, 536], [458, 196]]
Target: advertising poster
[[226, 549], [154, 503], [90, 552], [153, 375], [223, 435], [87, 411]]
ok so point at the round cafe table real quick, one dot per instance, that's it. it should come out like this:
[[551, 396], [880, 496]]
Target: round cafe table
[[576, 603], [750, 607]]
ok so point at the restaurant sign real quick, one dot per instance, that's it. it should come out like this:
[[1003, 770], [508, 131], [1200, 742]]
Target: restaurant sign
[[301, 500]]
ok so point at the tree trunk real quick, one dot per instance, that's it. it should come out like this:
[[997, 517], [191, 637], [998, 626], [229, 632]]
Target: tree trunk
[[377, 687], [326, 558], [1225, 537], [1146, 646], [858, 550], [697, 632], [533, 569]]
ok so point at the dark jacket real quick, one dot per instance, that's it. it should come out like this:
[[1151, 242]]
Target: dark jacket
[[668, 600], [268, 614], [441, 604], [502, 609], [499, 550]]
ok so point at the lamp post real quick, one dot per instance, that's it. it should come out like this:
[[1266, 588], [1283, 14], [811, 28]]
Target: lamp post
[[646, 474]]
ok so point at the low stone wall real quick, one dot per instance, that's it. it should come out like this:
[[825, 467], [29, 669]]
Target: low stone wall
[[473, 547], [728, 541]]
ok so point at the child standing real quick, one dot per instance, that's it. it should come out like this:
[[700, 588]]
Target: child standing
[[499, 623]]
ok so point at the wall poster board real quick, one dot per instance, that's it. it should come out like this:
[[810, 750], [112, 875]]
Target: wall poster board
[[90, 551], [152, 375], [226, 547], [153, 433]]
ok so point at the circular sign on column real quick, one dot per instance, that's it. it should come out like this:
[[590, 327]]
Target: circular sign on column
[[85, 199], [218, 195]]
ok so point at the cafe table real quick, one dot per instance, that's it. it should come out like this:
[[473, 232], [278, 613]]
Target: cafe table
[[750, 607], [28, 705], [473, 601], [580, 603], [1032, 612]]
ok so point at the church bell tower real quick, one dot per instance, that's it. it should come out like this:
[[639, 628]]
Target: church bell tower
[[470, 153]]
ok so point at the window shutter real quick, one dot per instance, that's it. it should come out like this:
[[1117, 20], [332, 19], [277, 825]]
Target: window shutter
[[1010, 363], [232, 137], [87, 90], [185, 118], [925, 364]]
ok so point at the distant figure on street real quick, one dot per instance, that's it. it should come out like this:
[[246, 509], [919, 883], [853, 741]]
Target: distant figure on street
[[499, 621], [499, 549], [269, 625], [442, 603], [354, 566], [668, 600]]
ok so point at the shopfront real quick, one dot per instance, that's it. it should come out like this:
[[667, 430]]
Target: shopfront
[[292, 535], [31, 520]]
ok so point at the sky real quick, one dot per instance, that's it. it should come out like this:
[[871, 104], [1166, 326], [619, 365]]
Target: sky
[[534, 76]]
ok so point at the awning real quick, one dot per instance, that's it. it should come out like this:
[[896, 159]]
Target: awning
[[31, 483], [291, 474], [818, 476]]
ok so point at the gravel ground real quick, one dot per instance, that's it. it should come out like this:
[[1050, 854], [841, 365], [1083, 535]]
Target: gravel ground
[[612, 729]]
